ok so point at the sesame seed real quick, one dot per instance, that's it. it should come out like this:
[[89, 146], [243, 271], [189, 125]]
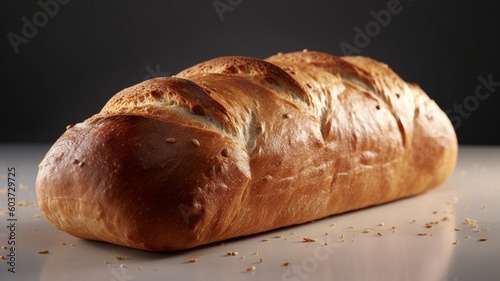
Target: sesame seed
[[278, 236], [81, 164], [288, 115], [332, 224], [225, 152], [393, 227], [256, 253], [342, 236], [261, 260], [43, 252], [351, 226], [264, 240], [304, 51], [435, 212], [170, 140], [487, 228], [286, 264], [242, 257], [122, 265], [309, 86], [326, 243], [62, 243], [380, 224], [195, 142], [414, 220], [377, 107], [106, 262], [326, 233], [482, 239], [380, 234], [72, 244], [367, 230], [36, 216], [422, 234], [117, 257], [4, 247], [138, 268], [74, 161], [191, 261], [252, 268], [343, 240], [458, 229], [456, 242], [69, 127], [232, 253], [467, 236]]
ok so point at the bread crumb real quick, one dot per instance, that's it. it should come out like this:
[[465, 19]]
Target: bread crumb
[[332, 224], [343, 240], [138, 268], [191, 261], [106, 262], [487, 228], [367, 230], [422, 234], [414, 220], [482, 239], [380, 234], [43, 252], [288, 115], [252, 268], [261, 260], [232, 253], [445, 219], [342, 236], [264, 240], [352, 240], [309, 239], [466, 205], [122, 265], [278, 236], [477, 230], [458, 229], [326, 243], [4, 247], [286, 264], [73, 244], [467, 236], [256, 253], [351, 226], [435, 212], [195, 142], [62, 243], [242, 257], [485, 206], [393, 227], [170, 140], [154, 269], [326, 233], [36, 216], [2, 257], [118, 257], [380, 224], [110, 265], [456, 242]]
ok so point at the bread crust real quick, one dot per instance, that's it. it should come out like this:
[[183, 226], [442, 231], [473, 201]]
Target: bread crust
[[236, 146]]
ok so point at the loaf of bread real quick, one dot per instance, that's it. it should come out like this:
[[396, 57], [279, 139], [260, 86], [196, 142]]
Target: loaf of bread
[[237, 145]]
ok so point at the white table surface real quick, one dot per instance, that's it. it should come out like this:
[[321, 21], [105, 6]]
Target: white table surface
[[472, 192]]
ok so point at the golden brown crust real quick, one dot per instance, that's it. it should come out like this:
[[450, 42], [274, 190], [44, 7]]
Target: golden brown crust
[[236, 146]]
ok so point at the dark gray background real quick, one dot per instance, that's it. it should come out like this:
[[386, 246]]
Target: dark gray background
[[89, 50]]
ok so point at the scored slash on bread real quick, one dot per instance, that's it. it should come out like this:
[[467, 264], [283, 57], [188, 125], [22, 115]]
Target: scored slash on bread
[[236, 146]]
